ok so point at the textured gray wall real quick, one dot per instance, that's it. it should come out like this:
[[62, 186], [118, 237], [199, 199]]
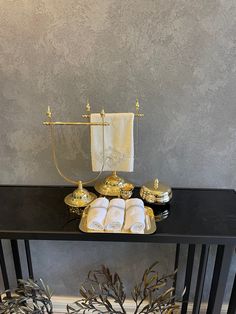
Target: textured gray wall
[[178, 57]]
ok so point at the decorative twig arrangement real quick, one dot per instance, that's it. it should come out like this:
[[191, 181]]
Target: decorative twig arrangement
[[29, 298], [103, 293]]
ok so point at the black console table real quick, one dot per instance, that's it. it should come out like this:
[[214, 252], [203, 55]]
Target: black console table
[[197, 216]]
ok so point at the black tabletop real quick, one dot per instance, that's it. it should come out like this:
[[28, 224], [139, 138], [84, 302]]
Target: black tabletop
[[196, 216]]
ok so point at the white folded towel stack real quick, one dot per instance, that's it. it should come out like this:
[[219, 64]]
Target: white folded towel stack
[[118, 142], [97, 213], [115, 215], [135, 215]]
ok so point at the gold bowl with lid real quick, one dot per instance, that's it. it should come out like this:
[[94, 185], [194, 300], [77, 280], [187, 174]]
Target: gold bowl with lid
[[156, 192]]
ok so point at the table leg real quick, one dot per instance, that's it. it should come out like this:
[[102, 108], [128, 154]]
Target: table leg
[[232, 302], [29, 260], [188, 277], [4, 271], [16, 259], [201, 278], [219, 280], [176, 265]]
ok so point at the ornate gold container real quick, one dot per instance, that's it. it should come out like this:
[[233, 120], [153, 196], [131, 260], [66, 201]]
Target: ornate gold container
[[111, 185], [156, 192], [80, 197]]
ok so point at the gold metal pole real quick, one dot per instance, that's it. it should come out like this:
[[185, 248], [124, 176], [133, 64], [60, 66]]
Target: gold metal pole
[[75, 123], [137, 115]]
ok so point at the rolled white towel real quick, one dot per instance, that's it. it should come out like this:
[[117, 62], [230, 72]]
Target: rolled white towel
[[115, 215], [134, 202], [135, 216], [100, 202], [97, 213]]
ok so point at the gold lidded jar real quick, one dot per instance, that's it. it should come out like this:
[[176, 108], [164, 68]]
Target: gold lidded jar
[[156, 192]]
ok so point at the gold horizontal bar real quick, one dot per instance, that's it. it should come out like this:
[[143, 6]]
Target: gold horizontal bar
[[139, 115], [76, 123]]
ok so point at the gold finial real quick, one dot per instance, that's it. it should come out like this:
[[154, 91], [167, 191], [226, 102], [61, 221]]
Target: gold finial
[[49, 113], [102, 113], [156, 184], [88, 108], [137, 106]]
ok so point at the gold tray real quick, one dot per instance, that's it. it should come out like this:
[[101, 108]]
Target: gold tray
[[148, 211]]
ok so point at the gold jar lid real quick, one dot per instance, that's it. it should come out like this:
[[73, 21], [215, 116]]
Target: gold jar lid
[[156, 192]]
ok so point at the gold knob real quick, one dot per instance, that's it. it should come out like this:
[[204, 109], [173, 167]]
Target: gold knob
[[156, 184], [49, 113], [137, 106], [88, 108], [102, 113], [80, 185]]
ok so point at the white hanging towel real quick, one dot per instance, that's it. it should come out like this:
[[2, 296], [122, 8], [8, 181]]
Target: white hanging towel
[[118, 142], [97, 213], [115, 215], [135, 216]]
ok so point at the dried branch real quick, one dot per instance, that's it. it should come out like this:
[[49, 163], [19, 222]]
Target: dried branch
[[100, 292], [29, 297], [149, 290], [103, 289]]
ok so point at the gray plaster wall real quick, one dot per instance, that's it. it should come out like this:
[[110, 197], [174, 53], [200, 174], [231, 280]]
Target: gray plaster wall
[[177, 57]]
